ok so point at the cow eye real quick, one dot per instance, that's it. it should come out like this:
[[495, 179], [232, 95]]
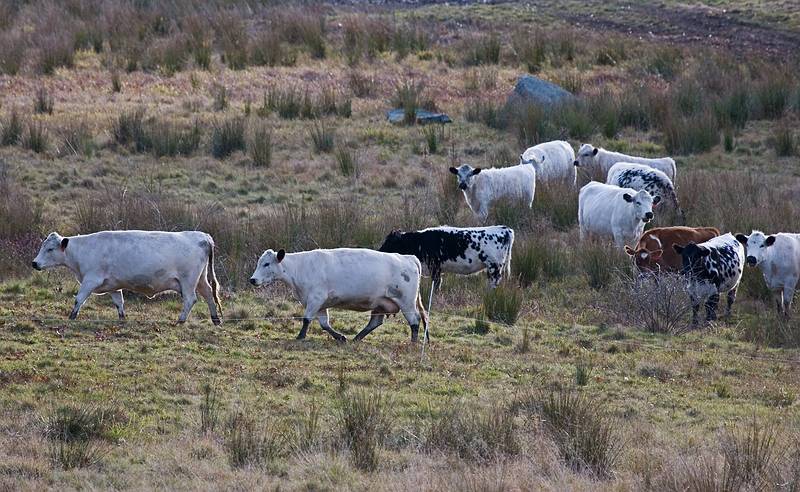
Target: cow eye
[[266, 264]]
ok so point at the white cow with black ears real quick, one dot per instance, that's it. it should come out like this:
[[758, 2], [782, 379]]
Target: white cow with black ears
[[483, 187], [146, 262], [347, 278], [590, 157], [553, 161], [607, 210], [778, 258]]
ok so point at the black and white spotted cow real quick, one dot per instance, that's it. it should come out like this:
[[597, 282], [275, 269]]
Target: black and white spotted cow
[[642, 177], [462, 251], [711, 268]]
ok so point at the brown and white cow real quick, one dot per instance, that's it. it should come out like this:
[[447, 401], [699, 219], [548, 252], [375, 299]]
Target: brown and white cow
[[654, 251]]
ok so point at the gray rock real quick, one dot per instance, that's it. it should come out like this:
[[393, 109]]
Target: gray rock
[[530, 89], [423, 117]]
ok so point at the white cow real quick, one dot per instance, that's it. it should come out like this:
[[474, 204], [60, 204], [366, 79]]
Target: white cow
[[590, 157], [483, 187], [607, 210], [641, 177], [346, 278], [778, 257], [146, 262], [553, 161]]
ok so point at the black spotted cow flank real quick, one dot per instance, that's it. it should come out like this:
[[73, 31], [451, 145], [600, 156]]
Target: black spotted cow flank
[[712, 268], [463, 251]]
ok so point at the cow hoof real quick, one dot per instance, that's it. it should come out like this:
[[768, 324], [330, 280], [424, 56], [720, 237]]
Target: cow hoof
[[216, 321], [73, 316], [300, 337], [342, 339]]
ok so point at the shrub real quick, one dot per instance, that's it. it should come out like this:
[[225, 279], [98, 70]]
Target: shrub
[[36, 137], [503, 304], [481, 50], [773, 95], [56, 50], [601, 263], [664, 61], [227, 136], [322, 137], [347, 160], [75, 434], [307, 27], [784, 142], [689, 135], [751, 453], [585, 436], [210, 408], [167, 139], [259, 144], [129, 129], [364, 420], [249, 443], [268, 49], [11, 131], [77, 139], [43, 104], [116, 82], [472, 432], [654, 304], [361, 84]]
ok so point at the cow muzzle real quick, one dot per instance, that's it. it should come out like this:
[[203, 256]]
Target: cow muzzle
[[254, 281], [35, 266], [462, 186], [751, 260], [648, 217], [576, 163]]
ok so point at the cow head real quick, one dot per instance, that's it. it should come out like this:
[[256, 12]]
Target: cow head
[[645, 260], [536, 158], [586, 155], [269, 268], [465, 173], [756, 245], [52, 252], [693, 257], [642, 203], [393, 242]]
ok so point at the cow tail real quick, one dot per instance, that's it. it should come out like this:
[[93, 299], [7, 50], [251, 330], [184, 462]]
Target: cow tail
[[211, 276], [423, 314], [507, 265]]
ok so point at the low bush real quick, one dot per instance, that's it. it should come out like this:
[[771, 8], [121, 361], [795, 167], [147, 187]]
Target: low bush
[[657, 304]]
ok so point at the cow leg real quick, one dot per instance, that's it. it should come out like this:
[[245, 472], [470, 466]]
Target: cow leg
[[695, 310], [375, 320], [312, 308], [324, 322], [731, 299], [413, 317], [436, 279], [204, 289], [304, 329], [116, 296], [711, 308], [189, 298], [788, 297], [777, 295], [86, 289], [495, 274]]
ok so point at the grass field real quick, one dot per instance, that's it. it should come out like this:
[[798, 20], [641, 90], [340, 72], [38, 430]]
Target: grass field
[[265, 126]]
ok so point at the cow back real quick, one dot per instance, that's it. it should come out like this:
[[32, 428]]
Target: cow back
[[664, 237]]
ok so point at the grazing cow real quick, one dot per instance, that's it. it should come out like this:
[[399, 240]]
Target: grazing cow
[[608, 210], [553, 161], [641, 177], [711, 268], [778, 257], [654, 251], [462, 251], [346, 278], [590, 157], [146, 262], [483, 187]]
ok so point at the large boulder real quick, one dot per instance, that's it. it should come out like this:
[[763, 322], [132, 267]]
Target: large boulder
[[533, 90]]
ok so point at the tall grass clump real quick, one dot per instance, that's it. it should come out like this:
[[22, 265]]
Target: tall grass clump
[[268, 49], [210, 408], [752, 452], [259, 144], [12, 52], [307, 27], [557, 201], [43, 103], [479, 110], [785, 143], [434, 137], [477, 433], [167, 139], [449, 199], [664, 61], [116, 82], [530, 50], [77, 139], [364, 421], [346, 160], [219, 95], [532, 124], [585, 436], [503, 304], [284, 101], [36, 137], [734, 108], [409, 96], [228, 136], [20, 226], [55, 51], [773, 95], [11, 129], [538, 259], [361, 84], [249, 443], [601, 263], [322, 136], [481, 50], [692, 134], [76, 434], [128, 129]]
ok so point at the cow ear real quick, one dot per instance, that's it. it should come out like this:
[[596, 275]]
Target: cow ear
[[656, 255], [678, 248], [281, 254], [627, 198], [64, 243], [475, 171], [742, 239], [630, 251], [454, 170], [704, 252], [656, 199], [770, 240], [594, 152]]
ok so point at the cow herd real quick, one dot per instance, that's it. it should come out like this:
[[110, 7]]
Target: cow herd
[[387, 281]]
